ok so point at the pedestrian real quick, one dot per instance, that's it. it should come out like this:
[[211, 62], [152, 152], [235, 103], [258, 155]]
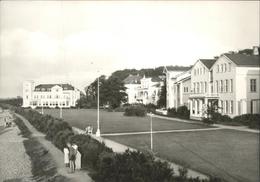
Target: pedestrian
[[72, 158], [66, 155], [75, 147]]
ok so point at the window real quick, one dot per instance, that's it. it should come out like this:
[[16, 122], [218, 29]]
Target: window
[[216, 86], [229, 67], [221, 86], [201, 87], [194, 87], [226, 85], [231, 107], [226, 109], [217, 68], [194, 71], [221, 68], [198, 87], [205, 87], [253, 85], [204, 70], [201, 71], [231, 85], [221, 105], [225, 67]]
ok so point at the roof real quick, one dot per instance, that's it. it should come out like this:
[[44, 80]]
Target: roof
[[244, 59], [177, 68], [208, 62], [47, 87], [132, 79]]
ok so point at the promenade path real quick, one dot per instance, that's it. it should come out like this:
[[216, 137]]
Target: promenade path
[[57, 155]]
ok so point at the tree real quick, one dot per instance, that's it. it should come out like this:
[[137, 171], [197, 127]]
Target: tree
[[162, 98]]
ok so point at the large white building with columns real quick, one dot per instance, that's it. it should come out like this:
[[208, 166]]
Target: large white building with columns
[[230, 82], [49, 95]]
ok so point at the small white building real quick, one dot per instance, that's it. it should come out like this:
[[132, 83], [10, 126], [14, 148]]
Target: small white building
[[132, 84], [143, 90], [49, 95], [173, 75]]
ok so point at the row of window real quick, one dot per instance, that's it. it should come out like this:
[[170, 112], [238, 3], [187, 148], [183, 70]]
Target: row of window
[[224, 86], [226, 106], [200, 87], [222, 68], [199, 71], [54, 103], [185, 89], [50, 96]]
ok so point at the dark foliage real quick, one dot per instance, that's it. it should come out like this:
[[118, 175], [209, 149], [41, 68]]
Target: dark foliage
[[135, 110]]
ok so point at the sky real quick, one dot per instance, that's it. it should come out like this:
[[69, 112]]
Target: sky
[[74, 42]]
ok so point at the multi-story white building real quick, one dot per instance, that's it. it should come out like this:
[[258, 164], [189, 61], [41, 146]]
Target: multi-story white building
[[201, 87], [174, 82], [143, 90], [132, 84], [181, 91], [230, 82], [49, 95]]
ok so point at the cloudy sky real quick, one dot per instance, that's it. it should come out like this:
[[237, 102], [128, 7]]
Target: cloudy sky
[[67, 41]]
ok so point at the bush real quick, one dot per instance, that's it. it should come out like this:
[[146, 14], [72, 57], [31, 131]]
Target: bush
[[183, 112], [135, 110], [250, 120], [172, 112], [208, 121]]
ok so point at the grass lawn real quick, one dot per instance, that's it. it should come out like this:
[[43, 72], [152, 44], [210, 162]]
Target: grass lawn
[[231, 155], [114, 122]]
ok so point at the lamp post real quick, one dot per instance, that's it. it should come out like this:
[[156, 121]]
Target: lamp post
[[98, 127], [151, 130], [60, 112]]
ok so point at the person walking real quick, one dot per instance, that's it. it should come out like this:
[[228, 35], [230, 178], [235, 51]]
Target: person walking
[[66, 156], [72, 158]]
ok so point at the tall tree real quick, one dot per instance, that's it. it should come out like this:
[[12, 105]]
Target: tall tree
[[162, 98]]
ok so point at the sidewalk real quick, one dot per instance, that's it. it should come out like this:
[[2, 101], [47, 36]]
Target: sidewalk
[[57, 155], [238, 128]]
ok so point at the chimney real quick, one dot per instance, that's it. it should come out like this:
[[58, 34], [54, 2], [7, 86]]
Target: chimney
[[255, 50]]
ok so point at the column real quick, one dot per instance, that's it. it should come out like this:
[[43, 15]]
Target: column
[[196, 106], [191, 108], [200, 107]]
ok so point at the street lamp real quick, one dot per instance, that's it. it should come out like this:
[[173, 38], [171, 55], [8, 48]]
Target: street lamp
[[98, 128], [60, 112], [151, 130]]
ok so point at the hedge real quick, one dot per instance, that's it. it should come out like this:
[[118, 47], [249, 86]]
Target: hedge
[[105, 165], [181, 112], [135, 110]]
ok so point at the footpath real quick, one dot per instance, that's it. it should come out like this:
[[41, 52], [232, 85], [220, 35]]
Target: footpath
[[57, 155]]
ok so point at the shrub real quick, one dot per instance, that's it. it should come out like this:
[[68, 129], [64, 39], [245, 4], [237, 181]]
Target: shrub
[[135, 110], [208, 121], [172, 112], [250, 120], [151, 108], [183, 112]]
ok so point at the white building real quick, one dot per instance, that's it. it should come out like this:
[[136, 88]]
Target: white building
[[174, 75], [201, 88], [230, 82], [132, 84], [143, 90], [49, 95]]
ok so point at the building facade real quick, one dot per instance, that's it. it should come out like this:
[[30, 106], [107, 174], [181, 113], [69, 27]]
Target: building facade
[[230, 83], [176, 78], [144, 90], [202, 93], [49, 95]]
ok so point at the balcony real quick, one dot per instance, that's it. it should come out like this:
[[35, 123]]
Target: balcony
[[204, 95]]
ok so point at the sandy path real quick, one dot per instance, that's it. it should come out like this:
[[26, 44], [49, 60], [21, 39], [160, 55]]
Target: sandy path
[[14, 162]]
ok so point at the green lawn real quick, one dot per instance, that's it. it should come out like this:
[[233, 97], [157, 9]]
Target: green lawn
[[232, 155], [113, 122]]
